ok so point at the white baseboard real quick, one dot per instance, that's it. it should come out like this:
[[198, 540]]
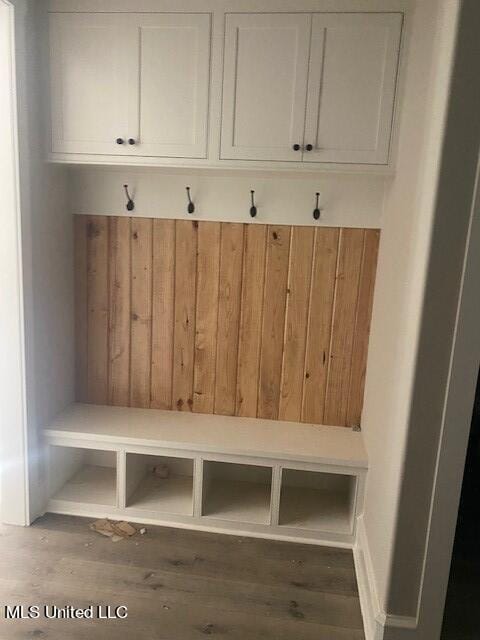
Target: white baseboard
[[375, 619], [369, 602]]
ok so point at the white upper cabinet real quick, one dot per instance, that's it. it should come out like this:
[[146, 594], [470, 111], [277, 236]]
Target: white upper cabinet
[[342, 67], [130, 84], [351, 87], [265, 86], [224, 89], [90, 72]]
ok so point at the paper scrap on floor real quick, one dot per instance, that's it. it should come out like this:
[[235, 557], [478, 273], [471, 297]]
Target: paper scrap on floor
[[116, 531]]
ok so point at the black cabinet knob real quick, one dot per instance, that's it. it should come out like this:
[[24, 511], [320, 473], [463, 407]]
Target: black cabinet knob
[[131, 141], [120, 141], [296, 147], [309, 147]]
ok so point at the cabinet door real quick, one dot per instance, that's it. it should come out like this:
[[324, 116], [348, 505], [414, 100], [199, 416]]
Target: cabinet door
[[173, 51], [93, 103], [265, 86], [353, 69]]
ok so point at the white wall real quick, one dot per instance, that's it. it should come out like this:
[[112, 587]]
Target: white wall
[[399, 290], [420, 266], [452, 213], [47, 246]]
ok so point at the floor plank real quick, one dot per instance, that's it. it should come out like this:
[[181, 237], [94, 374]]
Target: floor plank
[[176, 584]]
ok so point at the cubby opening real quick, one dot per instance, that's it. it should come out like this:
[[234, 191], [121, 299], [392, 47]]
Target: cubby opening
[[317, 500], [160, 483], [83, 475], [239, 492]]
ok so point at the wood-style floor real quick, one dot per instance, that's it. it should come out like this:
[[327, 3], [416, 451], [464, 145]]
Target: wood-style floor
[[178, 585]]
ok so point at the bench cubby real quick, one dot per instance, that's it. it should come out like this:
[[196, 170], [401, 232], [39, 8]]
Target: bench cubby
[[159, 483], [240, 492], [83, 476], [317, 500]]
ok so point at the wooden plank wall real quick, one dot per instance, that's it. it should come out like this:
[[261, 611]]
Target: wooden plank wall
[[233, 319]]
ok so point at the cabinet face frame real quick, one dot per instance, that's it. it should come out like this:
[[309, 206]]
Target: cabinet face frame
[[234, 24], [321, 24]]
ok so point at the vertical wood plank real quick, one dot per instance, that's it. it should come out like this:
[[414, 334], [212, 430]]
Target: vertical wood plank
[[298, 294], [141, 326], [229, 293], [162, 313], [320, 314], [81, 309], [119, 311], [208, 264], [343, 325], [185, 303], [97, 275], [251, 320], [224, 318], [362, 327], [275, 291]]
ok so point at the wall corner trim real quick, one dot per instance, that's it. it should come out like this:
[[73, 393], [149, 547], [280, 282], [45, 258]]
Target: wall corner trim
[[14, 498], [375, 619]]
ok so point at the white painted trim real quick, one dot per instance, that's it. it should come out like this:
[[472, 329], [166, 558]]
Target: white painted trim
[[346, 200], [259, 6], [369, 602], [212, 165], [368, 616], [208, 524], [15, 480], [375, 619], [459, 398]]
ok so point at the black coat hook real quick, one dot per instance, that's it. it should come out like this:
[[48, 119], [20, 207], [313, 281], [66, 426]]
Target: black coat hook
[[191, 206], [130, 203], [253, 208], [317, 210]]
